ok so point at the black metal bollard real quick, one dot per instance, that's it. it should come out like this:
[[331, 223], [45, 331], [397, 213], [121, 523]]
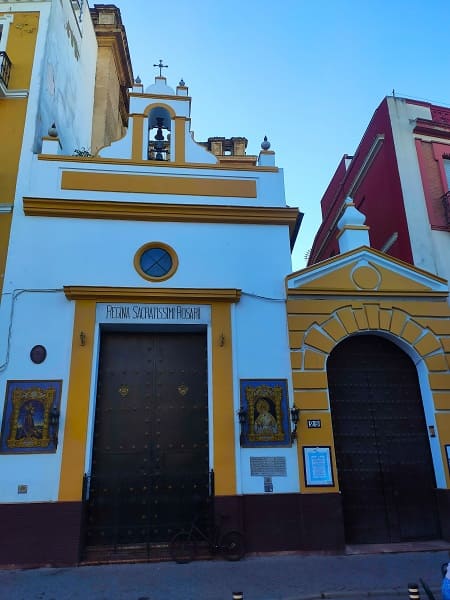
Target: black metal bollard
[[413, 591], [238, 595]]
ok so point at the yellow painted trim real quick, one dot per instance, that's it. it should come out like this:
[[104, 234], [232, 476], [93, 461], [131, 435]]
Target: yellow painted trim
[[161, 164], [144, 248], [352, 228], [237, 160], [148, 109], [180, 139], [130, 294], [142, 211], [443, 426], [371, 294], [338, 258], [154, 184], [138, 137], [5, 228], [161, 97], [77, 410], [223, 405]]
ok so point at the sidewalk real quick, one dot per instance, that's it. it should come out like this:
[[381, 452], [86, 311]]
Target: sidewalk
[[281, 577]]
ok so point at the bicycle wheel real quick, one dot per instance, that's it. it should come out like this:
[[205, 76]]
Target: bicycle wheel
[[182, 547], [232, 545]]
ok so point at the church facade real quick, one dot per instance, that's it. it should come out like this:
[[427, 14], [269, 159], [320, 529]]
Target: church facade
[[159, 359]]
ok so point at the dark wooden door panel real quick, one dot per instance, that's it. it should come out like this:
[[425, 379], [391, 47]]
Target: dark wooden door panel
[[150, 455], [382, 450]]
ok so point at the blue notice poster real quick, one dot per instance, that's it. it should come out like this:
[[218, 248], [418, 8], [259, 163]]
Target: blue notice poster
[[317, 463]]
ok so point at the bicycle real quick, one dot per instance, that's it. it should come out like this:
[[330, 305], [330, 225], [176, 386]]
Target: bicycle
[[183, 547]]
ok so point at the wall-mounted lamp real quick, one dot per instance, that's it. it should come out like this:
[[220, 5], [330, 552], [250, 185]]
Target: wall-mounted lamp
[[82, 338], [54, 423], [295, 416], [242, 416]]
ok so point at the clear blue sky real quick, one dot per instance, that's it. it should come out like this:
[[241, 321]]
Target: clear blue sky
[[306, 74]]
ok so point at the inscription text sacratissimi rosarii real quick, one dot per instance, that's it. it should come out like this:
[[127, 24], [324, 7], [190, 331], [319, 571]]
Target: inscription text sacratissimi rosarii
[[151, 312]]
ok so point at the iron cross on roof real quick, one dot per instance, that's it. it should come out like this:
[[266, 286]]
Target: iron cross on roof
[[161, 66]]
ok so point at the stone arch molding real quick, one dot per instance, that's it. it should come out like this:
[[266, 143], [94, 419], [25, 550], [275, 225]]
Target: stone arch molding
[[154, 105], [419, 342]]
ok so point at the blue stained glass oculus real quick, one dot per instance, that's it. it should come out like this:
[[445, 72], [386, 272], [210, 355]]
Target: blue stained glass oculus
[[156, 262]]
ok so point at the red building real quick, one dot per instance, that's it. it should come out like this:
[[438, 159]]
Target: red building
[[399, 179]]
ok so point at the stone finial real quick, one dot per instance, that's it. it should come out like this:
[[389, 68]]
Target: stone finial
[[352, 231], [266, 156], [52, 131], [138, 80], [182, 83], [265, 144]]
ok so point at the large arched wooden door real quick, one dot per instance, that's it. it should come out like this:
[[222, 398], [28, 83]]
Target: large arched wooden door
[[383, 456]]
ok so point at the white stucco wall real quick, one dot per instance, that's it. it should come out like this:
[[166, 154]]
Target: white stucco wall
[[63, 76], [66, 78], [34, 322], [403, 120]]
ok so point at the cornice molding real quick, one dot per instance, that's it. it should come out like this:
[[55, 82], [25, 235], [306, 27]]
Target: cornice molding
[[134, 294], [384, 294], [114, 39], [160, 97], [161, 164], [432, 129], [141, 211]]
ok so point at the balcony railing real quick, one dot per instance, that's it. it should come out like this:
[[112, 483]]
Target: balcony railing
[[5, 69]]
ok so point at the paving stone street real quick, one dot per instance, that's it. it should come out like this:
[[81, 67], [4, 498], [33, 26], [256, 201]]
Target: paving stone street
[[382, 576]]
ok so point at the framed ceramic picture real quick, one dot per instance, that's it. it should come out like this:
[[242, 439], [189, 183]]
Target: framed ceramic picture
[[264, 413], [29, 425]]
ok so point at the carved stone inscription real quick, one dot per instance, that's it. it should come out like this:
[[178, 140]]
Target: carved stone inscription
[[268, 466]]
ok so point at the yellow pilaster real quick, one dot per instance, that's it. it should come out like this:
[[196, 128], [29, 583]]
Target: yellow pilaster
[[180, 139], [74, 449], [223, 406], [138, 136]]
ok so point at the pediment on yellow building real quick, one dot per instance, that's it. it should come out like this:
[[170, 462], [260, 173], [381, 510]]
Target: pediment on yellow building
[[365, 271]]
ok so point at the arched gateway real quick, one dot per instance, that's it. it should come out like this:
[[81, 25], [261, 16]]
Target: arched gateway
[[369, 343], [383, 456]]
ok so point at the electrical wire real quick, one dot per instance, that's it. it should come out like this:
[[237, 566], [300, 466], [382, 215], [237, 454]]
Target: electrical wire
[[15, 294]]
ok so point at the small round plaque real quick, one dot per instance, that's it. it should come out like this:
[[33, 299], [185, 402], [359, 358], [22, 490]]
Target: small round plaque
[[38, 354]]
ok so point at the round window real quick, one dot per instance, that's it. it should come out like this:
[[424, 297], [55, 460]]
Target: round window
[[156, 261]]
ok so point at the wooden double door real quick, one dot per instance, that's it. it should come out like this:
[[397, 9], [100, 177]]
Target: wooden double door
[[384, 462], [150, 449]]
